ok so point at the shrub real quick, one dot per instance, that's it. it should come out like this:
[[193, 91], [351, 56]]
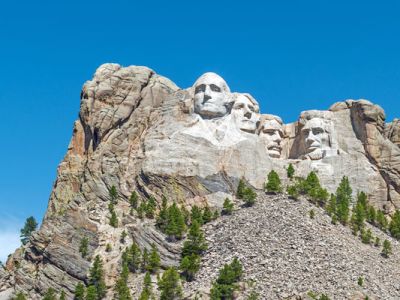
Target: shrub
[[366, 236], [360, 281], [387, 248], [273, 184], [227, 207], [312, 214], [123, 237]]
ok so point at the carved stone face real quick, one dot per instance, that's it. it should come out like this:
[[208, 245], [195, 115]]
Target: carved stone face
[[316, 135], [245, 111], [271, 132], [211, 96]]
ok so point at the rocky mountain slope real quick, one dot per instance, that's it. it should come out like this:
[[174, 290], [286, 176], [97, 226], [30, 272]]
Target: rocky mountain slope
[[138, 131]]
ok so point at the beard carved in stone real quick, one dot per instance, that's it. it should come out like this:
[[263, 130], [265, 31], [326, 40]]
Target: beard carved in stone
[[245, 113], [316, 136], [211, 96], [271, 133]]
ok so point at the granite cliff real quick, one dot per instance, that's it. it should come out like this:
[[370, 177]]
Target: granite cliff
[[138, 131]]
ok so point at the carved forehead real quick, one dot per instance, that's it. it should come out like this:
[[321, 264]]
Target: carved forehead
[[318, 123], [272, 124], [246, 99], [212, 78]]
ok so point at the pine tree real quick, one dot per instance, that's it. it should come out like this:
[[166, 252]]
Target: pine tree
[[121, 286], [83, 247], [123, 237], [293, 192], [162, 218], [224, 286], [249, 197], [170, 286], [273, 184], [29, 227], [113, 220], [207, 215], [381, 220], [20, 296], [113, 194], [312, 183], [91, 293], [63, 295], [50, 294], [237, 269], [394, 226], [358, 217], [387, 248], [227, 207], [371, 215], [150, 208], [176, 223], [147, 290], [290, 171], [141, 209], [195, 243], [366, 236], [343, 200], [154, 260], [145, 259], [189, 266], [240, 189], [196, 215], [133, 200], [96, 277], [132, 258], [331, 207], [79, 292]]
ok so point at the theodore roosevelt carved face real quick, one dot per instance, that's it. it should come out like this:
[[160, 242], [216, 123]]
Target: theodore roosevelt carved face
[[245, 111], [271, 133], [211, 96]]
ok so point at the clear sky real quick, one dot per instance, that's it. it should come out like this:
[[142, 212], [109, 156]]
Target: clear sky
[[290, 55]]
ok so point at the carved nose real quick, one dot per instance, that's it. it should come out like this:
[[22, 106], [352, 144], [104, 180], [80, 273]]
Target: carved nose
[[247, 115], [206, 98]]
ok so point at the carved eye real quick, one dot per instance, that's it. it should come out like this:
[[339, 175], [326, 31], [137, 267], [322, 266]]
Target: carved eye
[[200, 89], [317, 131], [239, 106], [215, 88], [251, 107]]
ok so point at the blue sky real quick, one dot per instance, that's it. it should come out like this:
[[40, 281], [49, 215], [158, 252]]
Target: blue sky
[[290, 55]]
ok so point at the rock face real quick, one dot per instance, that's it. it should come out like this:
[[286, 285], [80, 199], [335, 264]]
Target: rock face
[[138, 131]]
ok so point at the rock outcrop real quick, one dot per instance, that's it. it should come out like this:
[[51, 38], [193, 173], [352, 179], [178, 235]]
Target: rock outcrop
[[138, 131]]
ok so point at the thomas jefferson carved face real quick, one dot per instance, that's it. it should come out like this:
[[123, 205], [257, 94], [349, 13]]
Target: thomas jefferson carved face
[[211, 96], [245, 111], [271, 132], [316, 135]]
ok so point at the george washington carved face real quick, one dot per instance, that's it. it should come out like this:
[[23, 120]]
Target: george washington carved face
[[211, 96]]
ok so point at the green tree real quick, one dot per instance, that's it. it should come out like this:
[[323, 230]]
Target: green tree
[[249, 197], [381, 220], [112, 192], [366, 236], [29, 227], [162, 218], [132, 258], [227, 207], [121, 287], [79, 292], [154, 260], [150, 208], [273, 184], [133, 200], [311, 214], [113, 220], [312, 183], [176, 226], [358, 217], [293, 192], [63, 295], [371, 215], [387, 248], [123, 236], [145, 259], [147, 290], [207, 214], [19, 296], [237, 269], [240, 189], [169, 285], [196, 215], [190, 265], [195, 243], [50, 294], [290, 171], [343, 200], [83, 247], [224, 286], [394, 226], [91, 293], [96, 277], [331, 207]]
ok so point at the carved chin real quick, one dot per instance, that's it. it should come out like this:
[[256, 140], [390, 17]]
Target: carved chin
[[274, 152], [315, 154], [211, 111]]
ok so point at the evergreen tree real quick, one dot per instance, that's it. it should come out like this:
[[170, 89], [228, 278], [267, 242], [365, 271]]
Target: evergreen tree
[[123, 237], [20, 296], [114, 219], [150, 208], [207, 215], [362, 199], [112, 192], [249, 196], [50, 294], [371, 215], [83, 247], [96, 277], [331, 207], [224, 286], [237, 269], [79, 292], [162, 218], [240, 189], [147, 290], [121, 286], [63, 295], [293, 192], [195, 243], [133, 200], [91, 293], [154, 260], [196, 215], [189, 266], [145, 259], [176, 223], [227, 207], [343, 200], [273, 184], [358, 217], [132, 258], [366, 236], [312, 183], [387, 248], [290, 171], [29, 227], [394, 226], [169, 285], [141, 209], [381, 220]]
